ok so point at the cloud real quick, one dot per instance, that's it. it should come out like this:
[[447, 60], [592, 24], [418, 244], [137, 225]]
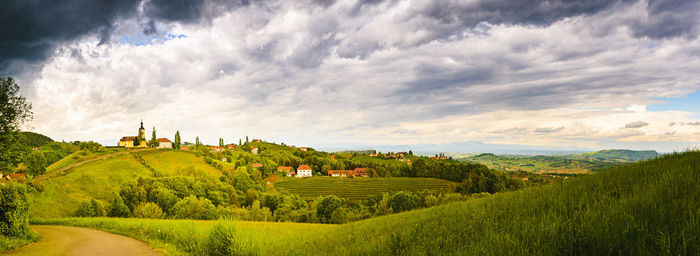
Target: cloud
[[549, 129], [636, 124]]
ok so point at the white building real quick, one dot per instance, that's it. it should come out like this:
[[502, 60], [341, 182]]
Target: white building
[[164, 143], [304, 171]]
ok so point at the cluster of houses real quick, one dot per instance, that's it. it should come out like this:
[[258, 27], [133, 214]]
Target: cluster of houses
[[128, 141], [306, 171]]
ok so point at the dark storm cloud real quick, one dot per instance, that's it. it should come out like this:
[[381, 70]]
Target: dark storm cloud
[[31, 30]]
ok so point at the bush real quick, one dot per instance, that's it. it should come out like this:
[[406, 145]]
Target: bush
[[119, 209], [148, 211], [222, 240], [403, 201], [327, 206], [14, 210], [192, 207], [85, 209]]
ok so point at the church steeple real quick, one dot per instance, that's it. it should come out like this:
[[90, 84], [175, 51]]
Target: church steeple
[[142, 125]]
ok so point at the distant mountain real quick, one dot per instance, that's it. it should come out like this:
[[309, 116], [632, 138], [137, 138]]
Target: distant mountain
[[461, 147], [620, 155]]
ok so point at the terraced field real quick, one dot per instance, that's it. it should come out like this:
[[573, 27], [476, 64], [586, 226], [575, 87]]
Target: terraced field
[[358, 188]]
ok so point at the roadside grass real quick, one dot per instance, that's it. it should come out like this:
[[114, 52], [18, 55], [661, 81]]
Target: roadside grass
[[358, 188], [61, 195], [193, 237], [647, 208], [9, 243]]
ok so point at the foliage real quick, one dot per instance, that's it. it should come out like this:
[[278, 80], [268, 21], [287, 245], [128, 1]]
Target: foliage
[[192, 207], [119, 209], [359, 188], [148, 211], [402, 201], [90, 208], [154, 143], [36, 162], [14, 210], [178, 141], [327, 206], [15, 112], [91, 146]]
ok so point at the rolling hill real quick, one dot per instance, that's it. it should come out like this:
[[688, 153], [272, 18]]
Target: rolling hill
[[646, 208]]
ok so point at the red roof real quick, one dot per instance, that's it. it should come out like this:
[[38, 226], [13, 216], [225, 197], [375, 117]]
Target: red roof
[[360, 169], [231, 146], [333, 157], [284, 168], [163, 140], [184, 148], [256, 165], [304, 167], [128, 138]]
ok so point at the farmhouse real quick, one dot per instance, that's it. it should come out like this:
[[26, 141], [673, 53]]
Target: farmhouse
[[360, 172], [254, 150], [127, 141], [339, 173], [304, 171], [216, 148], [164, 143], [303, 148], [231, 146], [284, 168]]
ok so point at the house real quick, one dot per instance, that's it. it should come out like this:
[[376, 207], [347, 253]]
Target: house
[[127, 141], [332, 157], [184, 148], [284, 168], [443, 157], [338, 173], [290, 173], [525, 178], [303, 148], [360, 172], [401, 154], [164, 143], [36, 149], [254, 150], [231, 146], [19, 177], [256, 165], [216, 148], [304, 171], [256, 140], [373, 154]]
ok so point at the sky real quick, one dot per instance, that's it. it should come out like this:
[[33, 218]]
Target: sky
[[460, 76]]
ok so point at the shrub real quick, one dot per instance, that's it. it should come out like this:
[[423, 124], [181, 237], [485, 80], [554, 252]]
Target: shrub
[[85, 209], [192, 207], [14, 210], [119, 209], [148, 211], [327, 206], [98, 208], [222, 240], [403, 201]]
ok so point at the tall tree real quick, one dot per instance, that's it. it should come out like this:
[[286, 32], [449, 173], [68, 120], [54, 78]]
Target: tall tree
[[239, 142], [177, 140], [154, 140], [221, 142], [196, 143], [246, 140], [15, 111]]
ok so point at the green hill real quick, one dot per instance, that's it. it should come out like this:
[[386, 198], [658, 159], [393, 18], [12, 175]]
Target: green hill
[[61, 193], [359, 188], [623, 155], [647, 208]]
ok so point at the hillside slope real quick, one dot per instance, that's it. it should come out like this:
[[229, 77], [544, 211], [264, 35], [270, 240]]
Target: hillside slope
[[647, 208], [62, 194]]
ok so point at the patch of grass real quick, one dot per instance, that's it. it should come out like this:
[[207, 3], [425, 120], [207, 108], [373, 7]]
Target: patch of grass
[[358, 188], [192, 237], [169, 162], [9, 243]]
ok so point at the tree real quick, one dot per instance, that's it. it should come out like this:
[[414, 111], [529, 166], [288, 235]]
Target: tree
[[246, 140], [15, 111], [196, 143], [85, 209], [148, 211], [154, 140], [192, 207], [178, 141], [221, 142], [239, 142], [35, 162], [327, 206], [14, 210], [119, 209], [403, 201], [410, 152]]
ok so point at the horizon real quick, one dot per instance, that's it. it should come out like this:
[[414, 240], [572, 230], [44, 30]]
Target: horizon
[[457, 76]]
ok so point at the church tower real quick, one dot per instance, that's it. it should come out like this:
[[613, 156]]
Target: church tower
[[142, 136]]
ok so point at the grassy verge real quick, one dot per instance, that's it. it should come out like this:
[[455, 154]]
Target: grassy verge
[[192, 237], [9, 243]]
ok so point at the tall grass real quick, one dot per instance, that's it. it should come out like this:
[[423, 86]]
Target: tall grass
[[648, 208]]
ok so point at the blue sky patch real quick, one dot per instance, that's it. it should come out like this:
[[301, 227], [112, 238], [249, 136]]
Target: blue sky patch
[[690, 103]]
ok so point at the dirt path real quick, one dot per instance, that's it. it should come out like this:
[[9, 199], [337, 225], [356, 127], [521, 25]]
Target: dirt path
[[65, 240]]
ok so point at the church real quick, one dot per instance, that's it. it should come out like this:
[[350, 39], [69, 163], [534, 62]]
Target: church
[[129, 141]]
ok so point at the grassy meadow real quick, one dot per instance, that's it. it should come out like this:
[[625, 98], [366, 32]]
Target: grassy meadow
[[647, 208], [358, 188]]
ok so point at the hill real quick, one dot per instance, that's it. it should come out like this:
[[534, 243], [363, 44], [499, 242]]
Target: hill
[[647, 208], [61, 193], [359, 188], [618, 155]]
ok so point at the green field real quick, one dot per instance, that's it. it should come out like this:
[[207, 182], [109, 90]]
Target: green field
[[647, 208], [358, 188], [170, 162]]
